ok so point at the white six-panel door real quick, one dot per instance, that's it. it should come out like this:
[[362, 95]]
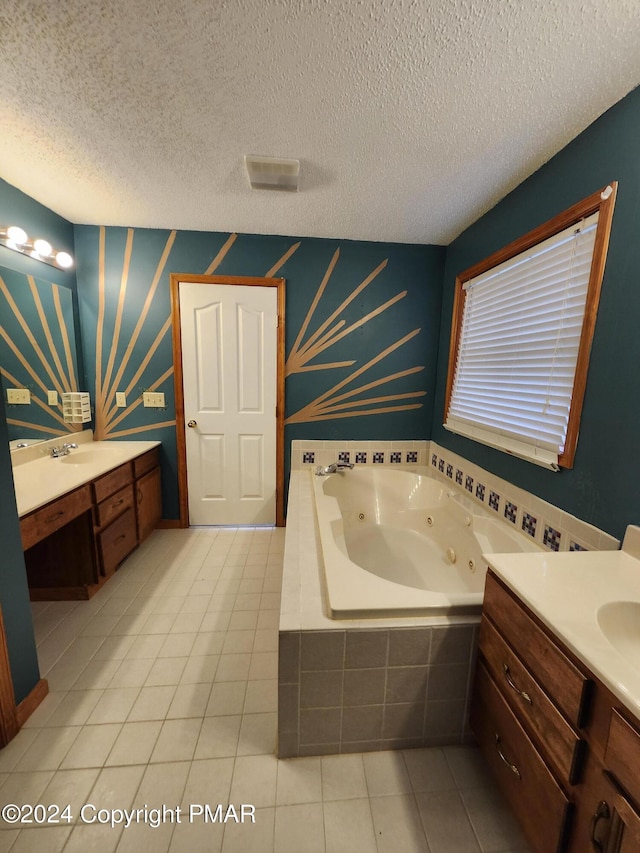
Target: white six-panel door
[[229, 351]]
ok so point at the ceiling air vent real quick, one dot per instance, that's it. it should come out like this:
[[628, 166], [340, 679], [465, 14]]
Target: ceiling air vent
[[271, 173]]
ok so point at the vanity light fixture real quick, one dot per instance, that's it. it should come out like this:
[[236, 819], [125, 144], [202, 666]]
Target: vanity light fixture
[[16, 238]]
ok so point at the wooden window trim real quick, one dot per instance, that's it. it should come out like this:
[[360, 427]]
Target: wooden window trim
[[592, 204]]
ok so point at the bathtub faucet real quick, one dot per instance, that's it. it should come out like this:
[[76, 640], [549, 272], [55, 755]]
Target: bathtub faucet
[[331, 469]]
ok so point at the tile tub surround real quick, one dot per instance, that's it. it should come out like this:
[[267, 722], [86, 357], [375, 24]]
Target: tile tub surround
[[408, 682], [362, 690]]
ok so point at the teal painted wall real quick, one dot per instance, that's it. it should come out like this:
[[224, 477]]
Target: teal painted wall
[[131, 268], [14, 593], [16, 208], [602, 488]]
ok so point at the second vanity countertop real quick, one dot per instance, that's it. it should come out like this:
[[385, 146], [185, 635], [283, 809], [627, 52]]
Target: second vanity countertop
[[41, 479], [566, 591]]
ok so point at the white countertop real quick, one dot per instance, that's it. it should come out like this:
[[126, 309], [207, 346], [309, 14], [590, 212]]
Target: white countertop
[[565, 590], [40, 479]]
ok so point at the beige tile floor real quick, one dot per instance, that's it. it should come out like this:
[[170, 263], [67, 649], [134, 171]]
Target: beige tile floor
[[163, 692]]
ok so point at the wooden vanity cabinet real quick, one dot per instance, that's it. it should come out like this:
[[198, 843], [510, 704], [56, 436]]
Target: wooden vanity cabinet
[[148, 492], [564, 754], [75, 543], [528, 702], [58, 547]]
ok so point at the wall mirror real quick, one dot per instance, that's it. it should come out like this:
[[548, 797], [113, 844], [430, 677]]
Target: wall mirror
[[38, 355]]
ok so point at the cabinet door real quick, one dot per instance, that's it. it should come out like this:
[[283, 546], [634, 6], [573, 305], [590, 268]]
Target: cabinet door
[[148, 503], [625, 827]]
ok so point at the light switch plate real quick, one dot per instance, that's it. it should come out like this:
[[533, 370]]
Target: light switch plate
[[18, 396], [121, 399], [153, 399], [52, 398]]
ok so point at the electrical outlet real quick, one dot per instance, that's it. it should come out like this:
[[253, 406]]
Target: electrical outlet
[[52, 398], [121, 399], [153, 399], [18, 396]]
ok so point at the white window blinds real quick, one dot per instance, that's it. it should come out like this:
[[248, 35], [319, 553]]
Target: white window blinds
[[518, 349]]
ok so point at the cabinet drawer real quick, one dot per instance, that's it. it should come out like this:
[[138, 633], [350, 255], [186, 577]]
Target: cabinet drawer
[[144, 463], [117, 541], [55, 515], [555, 672], [534, 795], [622, 755], [560, 743], [112, 482], [114, 505]]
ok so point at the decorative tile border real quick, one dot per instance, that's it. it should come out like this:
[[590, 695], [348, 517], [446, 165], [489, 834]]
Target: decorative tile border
[[548, 525], [311, 453]]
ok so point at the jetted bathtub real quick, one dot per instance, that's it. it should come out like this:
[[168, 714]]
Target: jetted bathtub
[[400, 543]]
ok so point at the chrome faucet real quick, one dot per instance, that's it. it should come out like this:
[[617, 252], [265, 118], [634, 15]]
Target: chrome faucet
[[331, 469], [64, 450]]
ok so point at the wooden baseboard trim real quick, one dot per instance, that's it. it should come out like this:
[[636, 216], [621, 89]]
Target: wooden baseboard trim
[[169, 524], [30, 702]]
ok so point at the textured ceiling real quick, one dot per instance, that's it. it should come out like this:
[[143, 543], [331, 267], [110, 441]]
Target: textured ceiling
[[410, 117]]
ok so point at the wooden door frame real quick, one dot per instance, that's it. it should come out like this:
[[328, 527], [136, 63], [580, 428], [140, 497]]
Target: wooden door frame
[[279, 283]]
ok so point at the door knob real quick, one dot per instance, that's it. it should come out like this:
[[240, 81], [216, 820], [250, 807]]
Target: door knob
[[192, 424]]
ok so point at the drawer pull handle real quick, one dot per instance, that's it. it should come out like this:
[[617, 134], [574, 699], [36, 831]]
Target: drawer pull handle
[[511, 766], [601, 813], [55, 516], [117, 503], [514, 686], [122, 536]]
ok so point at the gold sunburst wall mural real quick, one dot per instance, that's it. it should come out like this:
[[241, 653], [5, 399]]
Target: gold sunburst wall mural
[[37, 354], [362, 323], [332, 404]]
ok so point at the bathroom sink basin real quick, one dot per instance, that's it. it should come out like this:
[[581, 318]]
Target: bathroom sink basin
[[86, 457], [619, 621]]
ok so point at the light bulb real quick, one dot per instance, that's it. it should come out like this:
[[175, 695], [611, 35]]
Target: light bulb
[[17, 235], [42, 247], [64, 260]]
